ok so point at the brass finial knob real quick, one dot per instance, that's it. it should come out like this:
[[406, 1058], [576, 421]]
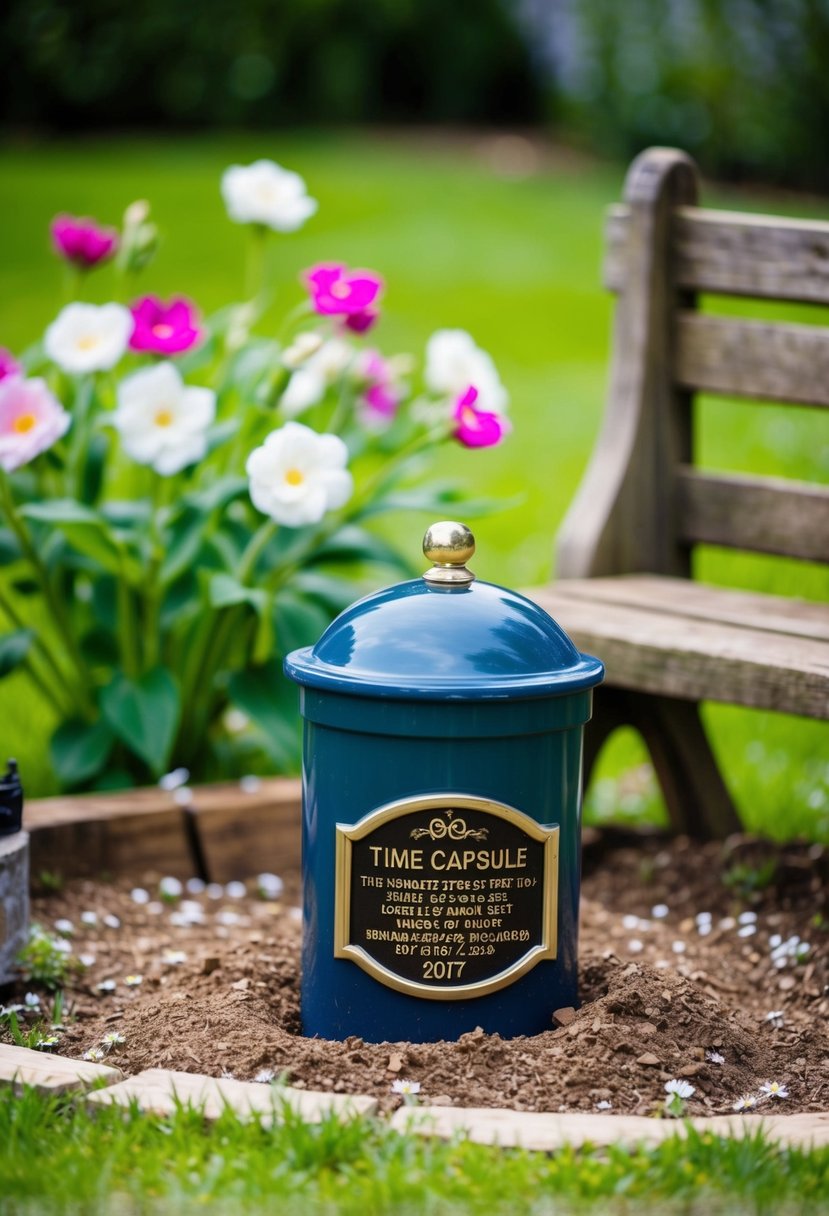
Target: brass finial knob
[[449, 545]]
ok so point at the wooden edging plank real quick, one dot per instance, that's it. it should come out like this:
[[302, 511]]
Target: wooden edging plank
[[548, 1132], [47, 1073], [159, 1091], [223, 830]]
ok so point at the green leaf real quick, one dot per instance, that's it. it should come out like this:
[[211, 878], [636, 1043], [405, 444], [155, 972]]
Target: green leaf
[[353, 544], [14, 647], [10, 550], [85, 529], [93, 468], [218, 494], [270, 700], [333, 593], [183, 543], [80, 750], [144, 714], [224, 591], [298, 621]]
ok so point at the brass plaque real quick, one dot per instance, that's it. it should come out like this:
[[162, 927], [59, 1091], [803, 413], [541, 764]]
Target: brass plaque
[[446, 897]]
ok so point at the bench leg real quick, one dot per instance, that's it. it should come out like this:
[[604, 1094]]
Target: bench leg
[[695, 794]]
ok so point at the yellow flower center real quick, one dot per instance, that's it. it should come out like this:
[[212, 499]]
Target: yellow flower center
[[163, 417], [88, 341], [24, 423], [294, 477], [163, 331]]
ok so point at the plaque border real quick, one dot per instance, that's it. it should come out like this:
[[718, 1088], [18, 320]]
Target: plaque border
[[547, 948]]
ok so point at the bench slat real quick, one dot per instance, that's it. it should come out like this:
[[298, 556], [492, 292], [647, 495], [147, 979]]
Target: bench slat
[[762, 514], [730, 253], [771, 362], [723, 605], [681, 655]]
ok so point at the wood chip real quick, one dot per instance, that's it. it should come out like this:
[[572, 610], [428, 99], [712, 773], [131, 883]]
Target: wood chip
[[564, 1016], [649, 1060]]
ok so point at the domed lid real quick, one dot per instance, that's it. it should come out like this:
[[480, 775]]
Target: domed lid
[[445, 636]]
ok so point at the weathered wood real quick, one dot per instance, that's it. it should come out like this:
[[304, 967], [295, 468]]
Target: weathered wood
[[682, 655], [14, 900], [747, 609], [222, 832], [623, 517], [547, 1132], [160, 1091], [696, 797], [767, 361], [130, 831], [731, 253], [21, 1066], [763, 514], [255, 831]]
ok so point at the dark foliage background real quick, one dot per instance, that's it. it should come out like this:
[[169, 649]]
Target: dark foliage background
[[102, 63]]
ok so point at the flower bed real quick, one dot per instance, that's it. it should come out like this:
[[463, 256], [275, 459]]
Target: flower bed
[[715, 988]]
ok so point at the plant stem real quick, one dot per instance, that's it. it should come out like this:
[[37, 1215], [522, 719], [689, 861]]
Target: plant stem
[[53, 602], [257, 253], [46, 686]]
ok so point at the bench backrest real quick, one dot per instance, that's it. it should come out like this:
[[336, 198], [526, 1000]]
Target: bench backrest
[[643, 504]]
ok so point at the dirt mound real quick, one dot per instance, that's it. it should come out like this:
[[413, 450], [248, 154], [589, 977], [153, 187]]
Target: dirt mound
[[679, 977]]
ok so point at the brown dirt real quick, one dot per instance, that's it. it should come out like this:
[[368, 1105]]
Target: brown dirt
[[651, 1011]]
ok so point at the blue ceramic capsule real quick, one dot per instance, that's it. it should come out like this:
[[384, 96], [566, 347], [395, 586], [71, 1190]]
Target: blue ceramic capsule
[[443, 723]]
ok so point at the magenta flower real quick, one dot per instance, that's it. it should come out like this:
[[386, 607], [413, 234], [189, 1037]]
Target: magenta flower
[[164, 329], [337, 291], [361, 322], [381, 396], [83, 242], [31, 420], [477, 428], [8, 364]]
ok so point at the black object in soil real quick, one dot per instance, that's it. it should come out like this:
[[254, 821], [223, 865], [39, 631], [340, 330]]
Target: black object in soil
[[11, 801]]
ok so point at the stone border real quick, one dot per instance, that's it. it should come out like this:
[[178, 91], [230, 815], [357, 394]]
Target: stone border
[[159, 1091]]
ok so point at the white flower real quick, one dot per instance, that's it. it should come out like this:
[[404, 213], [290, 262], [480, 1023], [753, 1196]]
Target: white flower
[[113, 1039], [604, 1105], [105, 986], [214, 890], [95, 1054], [112, 922], [86, 960], [139, 896], [162, 421], [270, 886], [173, 957], [65, 927], [265, 193], [236, 890], [89, 918], [301, 349], [50, 1040], [405, 1087], [265, 1076], [195, 886], [776, 1018], [454, 362], [682, 1089], [773, 1089], [635, 946], [714, 1057], [678, 947], [659, 911], [747, 918], [174, 779], [133, 981], [250, 784], [309, 382], [235, 721], [298, 475], [746, 1102], [32, 1000], [88, 337]]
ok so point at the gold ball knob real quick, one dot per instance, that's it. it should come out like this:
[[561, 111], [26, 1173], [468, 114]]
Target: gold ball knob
[[449, 545]]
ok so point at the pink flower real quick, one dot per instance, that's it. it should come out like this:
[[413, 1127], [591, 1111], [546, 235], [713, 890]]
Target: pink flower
[[164, 329], [337, 291], [477, 428], [361, 322], [381, 396], [82, 241], [31, 420], [8, 364]]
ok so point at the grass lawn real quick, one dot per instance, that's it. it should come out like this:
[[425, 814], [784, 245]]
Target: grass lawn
[[126, 1162], [516, 262]]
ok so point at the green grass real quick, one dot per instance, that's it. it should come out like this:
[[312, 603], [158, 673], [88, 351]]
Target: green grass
[[57, 1160], [514, 261]]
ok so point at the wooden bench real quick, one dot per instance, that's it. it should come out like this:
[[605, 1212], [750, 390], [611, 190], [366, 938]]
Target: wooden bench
[[624, 589]]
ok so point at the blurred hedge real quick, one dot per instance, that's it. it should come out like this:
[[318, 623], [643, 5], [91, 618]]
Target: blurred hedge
[[741, 84], [98, 63]]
